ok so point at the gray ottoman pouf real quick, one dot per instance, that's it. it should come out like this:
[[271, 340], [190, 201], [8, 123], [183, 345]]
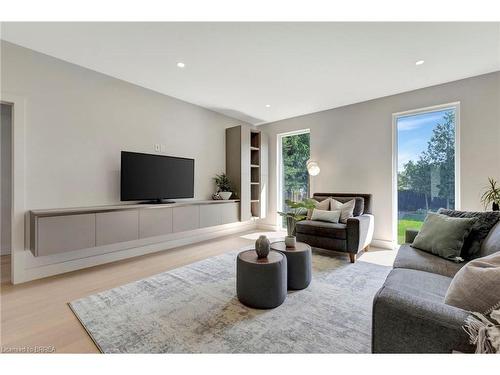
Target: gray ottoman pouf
[[261, 283], [299, 263]]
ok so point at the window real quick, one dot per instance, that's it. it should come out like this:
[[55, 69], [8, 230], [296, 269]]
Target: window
[[293, 153], [426, 165]]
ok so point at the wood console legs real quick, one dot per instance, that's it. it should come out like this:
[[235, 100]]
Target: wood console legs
[[352, 257]]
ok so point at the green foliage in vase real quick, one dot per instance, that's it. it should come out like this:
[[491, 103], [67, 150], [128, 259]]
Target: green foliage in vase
[[492, 193], [297, 211], [223, 183]]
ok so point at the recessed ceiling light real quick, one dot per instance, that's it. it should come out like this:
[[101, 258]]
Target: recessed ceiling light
[[268, 105], [181, 65], [419, 62]]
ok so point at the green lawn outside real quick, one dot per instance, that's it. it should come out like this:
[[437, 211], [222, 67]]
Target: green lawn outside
[[407, 224]]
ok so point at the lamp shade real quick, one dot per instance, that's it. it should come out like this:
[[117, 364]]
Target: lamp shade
[[313, 167]]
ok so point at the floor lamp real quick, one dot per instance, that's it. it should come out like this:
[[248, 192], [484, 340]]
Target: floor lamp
[[312, 170]]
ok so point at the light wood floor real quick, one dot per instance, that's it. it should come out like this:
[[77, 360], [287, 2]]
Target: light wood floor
[[37, 314]]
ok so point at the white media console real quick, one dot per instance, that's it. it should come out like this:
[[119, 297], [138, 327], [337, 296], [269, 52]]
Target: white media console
[[57, 231]]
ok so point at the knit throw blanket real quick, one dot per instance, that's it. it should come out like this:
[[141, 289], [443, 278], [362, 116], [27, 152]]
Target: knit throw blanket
[[484, 330]]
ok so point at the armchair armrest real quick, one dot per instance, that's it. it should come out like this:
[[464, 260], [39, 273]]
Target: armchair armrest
[[410, 324], [359, 232], [410, 235]]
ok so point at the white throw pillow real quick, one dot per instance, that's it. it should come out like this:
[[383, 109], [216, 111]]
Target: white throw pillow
[[323, 205], [324, 215], [346, 209], [475, 287]]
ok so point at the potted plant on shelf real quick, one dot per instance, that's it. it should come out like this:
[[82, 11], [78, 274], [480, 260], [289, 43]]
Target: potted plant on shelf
[[297, 211], [224, 187], [491, 195]]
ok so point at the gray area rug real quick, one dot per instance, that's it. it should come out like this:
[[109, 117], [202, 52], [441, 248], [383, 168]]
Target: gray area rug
[[194, 309]]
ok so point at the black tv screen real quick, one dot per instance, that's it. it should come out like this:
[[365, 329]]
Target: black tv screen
[[155, 177]]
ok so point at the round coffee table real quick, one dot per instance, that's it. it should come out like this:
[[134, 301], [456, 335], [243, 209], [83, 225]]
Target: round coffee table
[[261, 283], [299, 260]]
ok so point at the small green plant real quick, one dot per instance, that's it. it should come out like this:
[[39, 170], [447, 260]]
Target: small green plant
[[223, 183], [492, 194], [297, 212]]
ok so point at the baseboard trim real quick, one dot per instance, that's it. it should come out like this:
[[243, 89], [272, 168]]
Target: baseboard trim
[[5, 252], [77, 264], [270, 227], [384, 244]]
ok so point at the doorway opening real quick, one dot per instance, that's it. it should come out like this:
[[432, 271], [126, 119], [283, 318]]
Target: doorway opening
[[6, 178]]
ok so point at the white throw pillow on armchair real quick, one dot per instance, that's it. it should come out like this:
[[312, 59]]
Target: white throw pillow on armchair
[[326, 215], [346, 209], [323, 205]]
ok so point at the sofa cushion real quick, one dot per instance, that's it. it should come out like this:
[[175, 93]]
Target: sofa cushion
[[492, 242], [320, 228], [411, 258], [424, 285], [480, 229], [443, 235], [476, 287]]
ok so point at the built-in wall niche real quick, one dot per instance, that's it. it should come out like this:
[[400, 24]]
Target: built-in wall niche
[[255, 192], [246, 166], [254, 140], [255, 156], [254, 175]]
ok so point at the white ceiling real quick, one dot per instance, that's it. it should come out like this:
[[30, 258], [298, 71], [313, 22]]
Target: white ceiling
[[297, 68]]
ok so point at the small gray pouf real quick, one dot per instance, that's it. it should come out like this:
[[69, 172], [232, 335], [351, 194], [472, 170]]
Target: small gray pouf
[[261, 283], [299, 260]]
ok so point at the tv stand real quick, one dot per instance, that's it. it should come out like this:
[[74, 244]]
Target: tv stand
[[158, 201], [64, 230]]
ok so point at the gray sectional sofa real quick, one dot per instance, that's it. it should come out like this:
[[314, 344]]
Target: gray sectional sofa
[[409, 313], [351, 237]]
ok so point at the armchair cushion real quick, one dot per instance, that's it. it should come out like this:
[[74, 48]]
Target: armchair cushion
[[321, 228]]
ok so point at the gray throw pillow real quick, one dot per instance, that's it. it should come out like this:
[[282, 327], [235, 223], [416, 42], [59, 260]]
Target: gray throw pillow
[[443, 236], [479, 231], [476, 286]]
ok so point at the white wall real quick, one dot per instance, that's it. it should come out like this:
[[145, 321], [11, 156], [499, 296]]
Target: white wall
[[353, 144], [78, 121], [6, 181], [73, 123]]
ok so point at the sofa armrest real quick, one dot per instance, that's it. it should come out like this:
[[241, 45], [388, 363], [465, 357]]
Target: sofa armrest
[[410, 235], [359, 232], [404, 323]]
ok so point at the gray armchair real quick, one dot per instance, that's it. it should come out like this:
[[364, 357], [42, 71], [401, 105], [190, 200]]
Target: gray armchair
[[351, 237]]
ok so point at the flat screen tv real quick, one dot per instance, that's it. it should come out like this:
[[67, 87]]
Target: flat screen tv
[[155, 177]]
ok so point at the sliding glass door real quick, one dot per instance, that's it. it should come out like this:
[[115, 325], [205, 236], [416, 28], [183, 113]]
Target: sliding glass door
[[426, 164], [294, 151]]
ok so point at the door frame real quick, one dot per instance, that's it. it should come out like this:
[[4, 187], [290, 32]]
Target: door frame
[[279, 168], [395, 116], [18, 234]]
